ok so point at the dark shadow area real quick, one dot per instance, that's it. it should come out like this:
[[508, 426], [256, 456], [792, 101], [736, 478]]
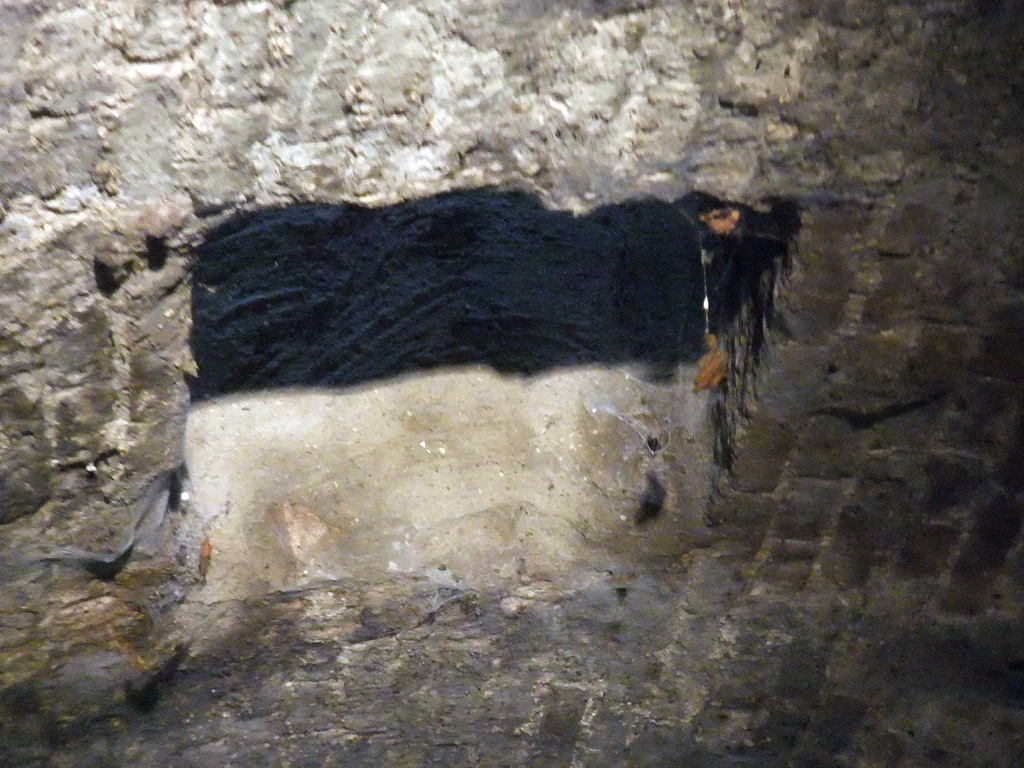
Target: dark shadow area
[[338, 294], [759, 259]]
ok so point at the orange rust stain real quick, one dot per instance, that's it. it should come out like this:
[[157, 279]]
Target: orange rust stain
[[205, 553], [711, 366], [721, 221]]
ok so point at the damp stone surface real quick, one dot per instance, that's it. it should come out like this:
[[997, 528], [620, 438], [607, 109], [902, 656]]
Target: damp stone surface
[[852, 594]]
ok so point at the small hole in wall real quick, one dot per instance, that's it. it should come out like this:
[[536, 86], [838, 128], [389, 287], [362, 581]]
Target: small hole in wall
[[652, 503], [156, 252], [107, 280]]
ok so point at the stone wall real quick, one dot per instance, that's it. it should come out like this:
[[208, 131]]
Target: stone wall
[[858, 602]]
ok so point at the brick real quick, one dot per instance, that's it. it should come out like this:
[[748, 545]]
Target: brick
[[807, 507], [993, 533], [895, 296], [914, 229], [1001, 355], [835, 723], [927, 550], [824, 448], [761, 456], [965, 595], [943, 355], [742, 510], [865, 533], [810, 316]]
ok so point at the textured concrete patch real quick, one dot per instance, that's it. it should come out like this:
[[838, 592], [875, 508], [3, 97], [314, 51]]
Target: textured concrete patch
[[474, 478]]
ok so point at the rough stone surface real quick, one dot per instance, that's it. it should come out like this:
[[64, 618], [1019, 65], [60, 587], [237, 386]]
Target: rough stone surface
[[855, 597]]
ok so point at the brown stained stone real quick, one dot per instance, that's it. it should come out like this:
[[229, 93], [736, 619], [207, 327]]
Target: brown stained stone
[[983, 414], [1003, 352], [825, 448], [83, 350], [927, 550], [81, 414], [89, 616], [26, 477], [864, 536], [914, 229], [848, 561], [761, 456], [828, 243], [994, 532], [806, 507], [790, 563], [63, 154], [951, 292], [896, 294], [25, 481], [811, 316], [943, 356], [965, 594], [951, 480], [744, 511], [101, 618], [872, 363], [799, 373], [154, 381], [1010, 474]]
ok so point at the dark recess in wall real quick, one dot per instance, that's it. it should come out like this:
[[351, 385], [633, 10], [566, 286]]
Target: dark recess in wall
[[334, 295], [760, 256]]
